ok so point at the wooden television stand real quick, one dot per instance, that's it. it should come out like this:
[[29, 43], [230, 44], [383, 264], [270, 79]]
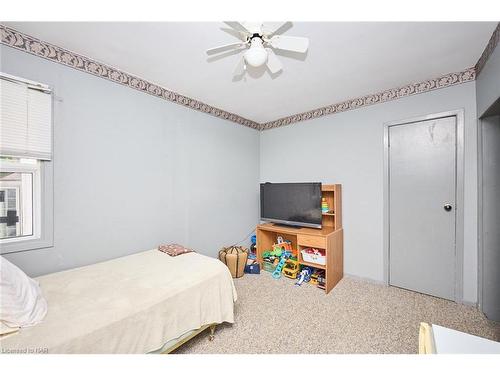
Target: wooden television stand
[[330, 238]]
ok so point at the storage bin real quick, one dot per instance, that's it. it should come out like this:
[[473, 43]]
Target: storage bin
[[269, 267], [316, 256], [235, 258]]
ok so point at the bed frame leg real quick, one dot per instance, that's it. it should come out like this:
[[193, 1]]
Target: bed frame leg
[[212, 333]]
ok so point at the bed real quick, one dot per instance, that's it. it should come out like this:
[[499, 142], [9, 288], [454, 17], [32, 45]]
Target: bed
[[141, 303]]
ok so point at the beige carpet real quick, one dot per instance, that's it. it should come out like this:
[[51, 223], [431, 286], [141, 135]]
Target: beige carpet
[[274, 316]]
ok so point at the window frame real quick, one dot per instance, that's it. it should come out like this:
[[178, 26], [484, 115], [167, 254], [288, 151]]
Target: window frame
[[43, 232], [34, 169]]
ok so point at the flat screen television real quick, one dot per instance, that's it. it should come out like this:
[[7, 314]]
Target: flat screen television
[[296, 204]]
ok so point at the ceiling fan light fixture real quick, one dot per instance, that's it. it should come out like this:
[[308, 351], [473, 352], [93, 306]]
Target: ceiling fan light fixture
[[259, 40], [256, 55]]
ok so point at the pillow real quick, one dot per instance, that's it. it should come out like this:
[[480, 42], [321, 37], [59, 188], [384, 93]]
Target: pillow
[[174, 249], [21, 300]]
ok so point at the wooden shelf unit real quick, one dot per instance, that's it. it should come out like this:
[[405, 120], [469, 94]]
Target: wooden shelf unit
[[330, 237]]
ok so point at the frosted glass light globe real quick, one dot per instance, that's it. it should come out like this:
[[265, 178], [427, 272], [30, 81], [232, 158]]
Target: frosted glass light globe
[[256, 54]]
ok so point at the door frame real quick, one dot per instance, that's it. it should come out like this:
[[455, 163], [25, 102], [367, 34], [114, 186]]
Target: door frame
[[459, 191], [480, 217], [480, 244]]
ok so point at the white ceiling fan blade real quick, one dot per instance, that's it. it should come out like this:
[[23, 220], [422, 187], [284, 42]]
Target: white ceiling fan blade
[[290, 43], [237, 26], [253, 27], [273, 63], [240, 67], [240, 35], [223, 48], [271, 28]]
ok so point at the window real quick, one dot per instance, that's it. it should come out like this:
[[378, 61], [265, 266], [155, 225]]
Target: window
[[25, 165], [20, 196]]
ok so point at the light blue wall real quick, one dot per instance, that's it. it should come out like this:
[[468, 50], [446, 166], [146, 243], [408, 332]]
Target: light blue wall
[[132, 171], [488, 83], [347, 148]]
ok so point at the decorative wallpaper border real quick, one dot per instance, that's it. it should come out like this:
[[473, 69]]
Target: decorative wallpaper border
[[447, 80], [26, 43], [490, 47]]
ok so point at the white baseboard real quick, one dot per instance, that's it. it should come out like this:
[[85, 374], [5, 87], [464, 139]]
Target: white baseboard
[[381, 282], [367, 279], [469, 303]]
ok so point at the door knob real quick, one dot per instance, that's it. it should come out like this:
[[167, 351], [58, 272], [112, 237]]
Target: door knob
[[448, 207]]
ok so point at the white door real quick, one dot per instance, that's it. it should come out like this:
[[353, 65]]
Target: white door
[[422, 196]]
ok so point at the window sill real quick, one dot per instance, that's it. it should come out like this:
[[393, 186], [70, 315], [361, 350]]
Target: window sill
[[25, 245]]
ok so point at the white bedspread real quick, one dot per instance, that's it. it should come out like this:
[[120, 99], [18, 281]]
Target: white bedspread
[[132, 304]]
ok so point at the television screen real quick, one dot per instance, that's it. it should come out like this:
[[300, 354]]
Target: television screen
[[297, 204]]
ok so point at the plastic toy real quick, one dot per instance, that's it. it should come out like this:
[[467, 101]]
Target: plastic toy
[[291, 268], [315, 275], [281, 246], [271, 260], [279, 267], [277, 251], [305, 275], [324, 205], [321, 281], [284, 256], [253, 246], [268, 266]]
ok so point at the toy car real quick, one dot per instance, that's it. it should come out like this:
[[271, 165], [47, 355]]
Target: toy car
[[321, 282], [291, 269], [304, 275], [315, 276]]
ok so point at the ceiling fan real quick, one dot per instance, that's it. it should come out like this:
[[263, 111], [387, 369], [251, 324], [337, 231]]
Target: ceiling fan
[[259, 39]]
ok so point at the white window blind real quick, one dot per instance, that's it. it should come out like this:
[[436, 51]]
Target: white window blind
[[25, 121]]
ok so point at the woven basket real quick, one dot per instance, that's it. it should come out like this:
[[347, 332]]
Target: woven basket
[[235, 258]]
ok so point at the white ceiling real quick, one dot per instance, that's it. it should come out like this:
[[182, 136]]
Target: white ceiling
[[345, 60]]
